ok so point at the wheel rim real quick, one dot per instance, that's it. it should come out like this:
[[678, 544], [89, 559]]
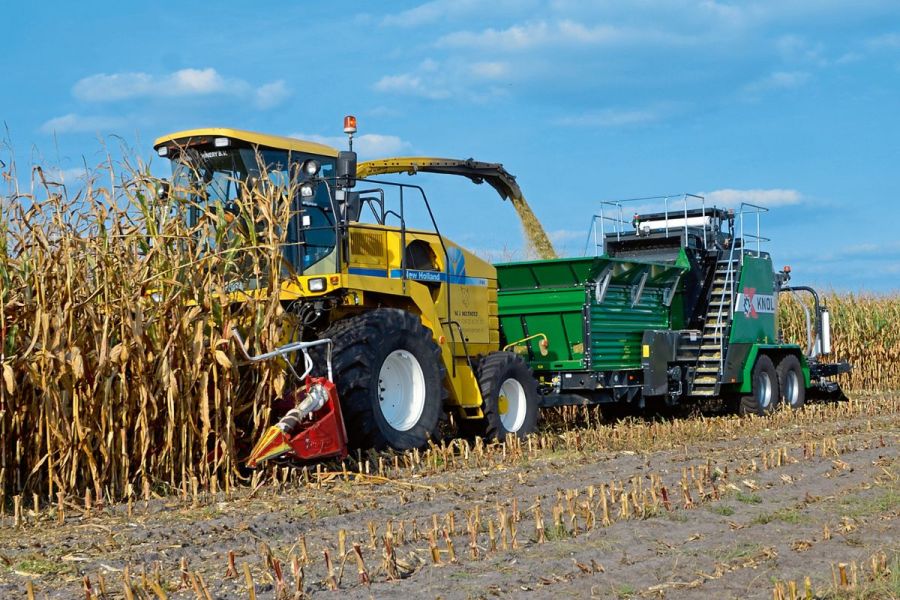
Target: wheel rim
[[792, 389], [401, 390], [764, 390], [512, 405]]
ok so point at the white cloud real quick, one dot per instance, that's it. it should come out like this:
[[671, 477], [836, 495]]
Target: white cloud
[[440, 10], [367, 145], [848, 58], [122, 86], [779, 80], [411, 85], [426, 13], [564, 32], [490, 70], [74, 123], [104, 87], [886, 41], [384, 111], [271, 94], [452, 78], [762, 197], [612, 118], [881, 249], [796, 49], [59, 175]]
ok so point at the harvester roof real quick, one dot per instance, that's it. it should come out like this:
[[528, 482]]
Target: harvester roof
[[208, 134]]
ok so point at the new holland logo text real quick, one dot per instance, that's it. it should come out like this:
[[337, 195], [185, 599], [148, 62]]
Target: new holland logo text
[[752, 304]]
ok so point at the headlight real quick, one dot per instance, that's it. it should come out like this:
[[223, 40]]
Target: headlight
[[316, 284], [310, 168], [307, 190]]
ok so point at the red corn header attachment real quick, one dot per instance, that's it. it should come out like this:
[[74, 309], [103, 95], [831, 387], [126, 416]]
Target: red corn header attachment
[[312, 430]]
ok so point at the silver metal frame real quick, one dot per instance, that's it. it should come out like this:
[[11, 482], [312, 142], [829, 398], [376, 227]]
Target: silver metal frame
[[281, 351], [752, 209]]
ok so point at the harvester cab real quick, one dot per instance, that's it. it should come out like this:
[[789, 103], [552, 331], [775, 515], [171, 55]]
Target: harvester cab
[[411, 317]]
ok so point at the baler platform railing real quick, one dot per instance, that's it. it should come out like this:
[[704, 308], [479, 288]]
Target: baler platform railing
[[675, 215], [752, 209]]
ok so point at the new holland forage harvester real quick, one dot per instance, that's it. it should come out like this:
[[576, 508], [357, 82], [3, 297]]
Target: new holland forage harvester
[[407, 325]]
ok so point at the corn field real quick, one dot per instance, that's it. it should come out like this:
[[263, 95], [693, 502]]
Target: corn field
[[117, 368], [863, 333], [116, 358]]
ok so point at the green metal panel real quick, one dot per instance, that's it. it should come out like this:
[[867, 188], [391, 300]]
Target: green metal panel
[[557, 273], [545, 296], [617, 327], [559, 299], [755, 303], [555, 312]]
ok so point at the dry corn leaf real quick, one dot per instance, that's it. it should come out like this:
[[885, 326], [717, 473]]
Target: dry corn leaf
[[222, 359], [76, 363], [9, 378], [119, 354]]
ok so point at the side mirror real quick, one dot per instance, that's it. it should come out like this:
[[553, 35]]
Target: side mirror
[[346, 168], [351, 205]]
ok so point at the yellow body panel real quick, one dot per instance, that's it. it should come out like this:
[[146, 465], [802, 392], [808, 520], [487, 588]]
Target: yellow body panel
[[259, 139], [373, 276], [375, 270]]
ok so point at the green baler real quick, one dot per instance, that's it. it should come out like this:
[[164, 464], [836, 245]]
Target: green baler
[[668, 312]]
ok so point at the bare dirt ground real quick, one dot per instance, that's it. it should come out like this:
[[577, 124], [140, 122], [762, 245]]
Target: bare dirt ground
[[708, 507]]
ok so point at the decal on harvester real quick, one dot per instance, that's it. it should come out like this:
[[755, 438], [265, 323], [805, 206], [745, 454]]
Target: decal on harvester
[[457, 262], [752, 304]]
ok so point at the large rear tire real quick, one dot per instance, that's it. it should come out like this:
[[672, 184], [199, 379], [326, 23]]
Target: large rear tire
[[510, 398], [764, 392], [791, 383], [390, 379]]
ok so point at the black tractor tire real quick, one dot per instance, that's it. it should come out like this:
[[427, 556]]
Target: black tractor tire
[[378, 357], [764, 392], [791, 385], [497, 373]]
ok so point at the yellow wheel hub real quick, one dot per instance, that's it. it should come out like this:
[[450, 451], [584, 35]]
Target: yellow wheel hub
[[502, 404]]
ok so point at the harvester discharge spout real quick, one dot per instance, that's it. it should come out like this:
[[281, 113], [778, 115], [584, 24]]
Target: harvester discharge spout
[[493, 173]]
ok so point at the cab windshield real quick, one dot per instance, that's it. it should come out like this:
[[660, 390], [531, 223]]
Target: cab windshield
[[212, 181]]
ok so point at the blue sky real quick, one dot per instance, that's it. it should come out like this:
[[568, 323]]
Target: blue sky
[[794, 104]]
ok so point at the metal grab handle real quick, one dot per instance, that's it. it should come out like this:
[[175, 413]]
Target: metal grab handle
[[287, 349]]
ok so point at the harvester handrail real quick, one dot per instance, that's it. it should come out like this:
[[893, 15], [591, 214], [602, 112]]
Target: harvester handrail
[[437, 231], [287, 349]]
